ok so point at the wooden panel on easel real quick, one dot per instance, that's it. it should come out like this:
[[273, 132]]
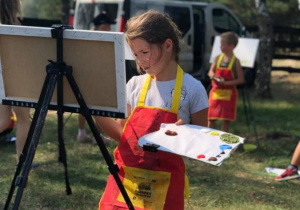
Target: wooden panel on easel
[[94, 71], [24, 64], [24, 61]]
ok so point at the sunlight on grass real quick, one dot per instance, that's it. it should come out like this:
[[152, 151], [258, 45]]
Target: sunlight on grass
[[286, 62]]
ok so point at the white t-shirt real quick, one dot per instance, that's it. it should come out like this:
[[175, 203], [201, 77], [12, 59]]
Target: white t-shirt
[[160, 94]]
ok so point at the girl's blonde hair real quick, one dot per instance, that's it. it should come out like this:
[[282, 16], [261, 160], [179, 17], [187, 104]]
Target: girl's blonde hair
[[155, 28], [9, 11]]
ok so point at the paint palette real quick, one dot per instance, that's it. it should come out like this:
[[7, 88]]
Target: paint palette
[[196, 142]]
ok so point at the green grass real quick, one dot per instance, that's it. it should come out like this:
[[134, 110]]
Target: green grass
[[240, 183]]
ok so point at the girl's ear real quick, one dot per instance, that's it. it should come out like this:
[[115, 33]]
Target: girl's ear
[[168, 45]]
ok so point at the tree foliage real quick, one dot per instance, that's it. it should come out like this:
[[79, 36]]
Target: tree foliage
[[282, 12], [42, 9]]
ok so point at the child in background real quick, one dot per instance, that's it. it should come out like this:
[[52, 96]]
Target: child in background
[[103, 22], [165, 94], [226, 73], [291, 172], [10, 10]]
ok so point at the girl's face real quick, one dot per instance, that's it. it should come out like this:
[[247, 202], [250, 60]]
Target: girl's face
[[151, 58]]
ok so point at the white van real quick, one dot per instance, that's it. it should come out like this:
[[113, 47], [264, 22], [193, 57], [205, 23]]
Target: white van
[[199, 23]]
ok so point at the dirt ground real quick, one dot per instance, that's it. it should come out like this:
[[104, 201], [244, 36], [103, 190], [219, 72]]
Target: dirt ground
[[285, 85]]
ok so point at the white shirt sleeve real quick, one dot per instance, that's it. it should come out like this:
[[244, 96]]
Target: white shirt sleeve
[[199, 100]]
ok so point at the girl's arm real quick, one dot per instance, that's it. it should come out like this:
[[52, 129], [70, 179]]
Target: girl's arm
[[123, 121], [112, 127], [200, 118], [240, 73]]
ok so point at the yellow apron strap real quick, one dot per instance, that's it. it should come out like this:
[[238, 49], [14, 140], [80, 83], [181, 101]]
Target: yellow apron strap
[[177, 90], [176, 95], [231, 62], [187, 188], [220, 60], [144, 90]]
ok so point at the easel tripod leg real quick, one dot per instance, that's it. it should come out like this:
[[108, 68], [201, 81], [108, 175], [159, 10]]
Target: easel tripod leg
[[113, 168], [245, 105], [252, 118], [62, 150], [23, 155], [32, 141]]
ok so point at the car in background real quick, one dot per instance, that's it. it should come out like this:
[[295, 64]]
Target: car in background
[[199, 23]]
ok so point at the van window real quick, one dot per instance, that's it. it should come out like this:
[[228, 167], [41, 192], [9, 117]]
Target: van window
[[199, 36], [181, 16], [199, 27], [224, 21], [87, 11]]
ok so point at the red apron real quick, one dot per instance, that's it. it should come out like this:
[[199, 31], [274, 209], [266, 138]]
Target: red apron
[[223, 99], [153, 180]]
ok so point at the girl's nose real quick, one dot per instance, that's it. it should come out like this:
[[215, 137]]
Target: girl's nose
[[139, 61]]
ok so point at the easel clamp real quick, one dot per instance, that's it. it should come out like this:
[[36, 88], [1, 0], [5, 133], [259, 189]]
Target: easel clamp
[[58, 30], [150, 147]]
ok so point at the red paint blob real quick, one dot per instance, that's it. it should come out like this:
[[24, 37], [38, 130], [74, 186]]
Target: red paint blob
[[200, 156]]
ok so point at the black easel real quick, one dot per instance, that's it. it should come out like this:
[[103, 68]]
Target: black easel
[[247, 104], [55, 72], [245, 96]]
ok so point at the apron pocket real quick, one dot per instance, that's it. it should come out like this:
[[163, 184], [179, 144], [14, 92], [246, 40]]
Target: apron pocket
[[146, 189], [222, 94]]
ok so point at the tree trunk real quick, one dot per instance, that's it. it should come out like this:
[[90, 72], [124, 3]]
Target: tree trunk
[[265, 53], [65, 11]]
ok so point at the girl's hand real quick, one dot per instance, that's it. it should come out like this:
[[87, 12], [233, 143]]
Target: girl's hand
[[179, 122]]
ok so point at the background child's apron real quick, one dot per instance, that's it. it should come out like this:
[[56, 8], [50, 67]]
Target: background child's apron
[[223, 99], [153, 180], [13, 120]]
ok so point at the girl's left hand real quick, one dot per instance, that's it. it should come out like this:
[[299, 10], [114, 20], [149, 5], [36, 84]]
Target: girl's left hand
[[179, 122]]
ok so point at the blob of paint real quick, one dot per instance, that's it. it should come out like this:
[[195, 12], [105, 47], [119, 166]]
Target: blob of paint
[[200, 156], [214, 133], [225, 146]]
